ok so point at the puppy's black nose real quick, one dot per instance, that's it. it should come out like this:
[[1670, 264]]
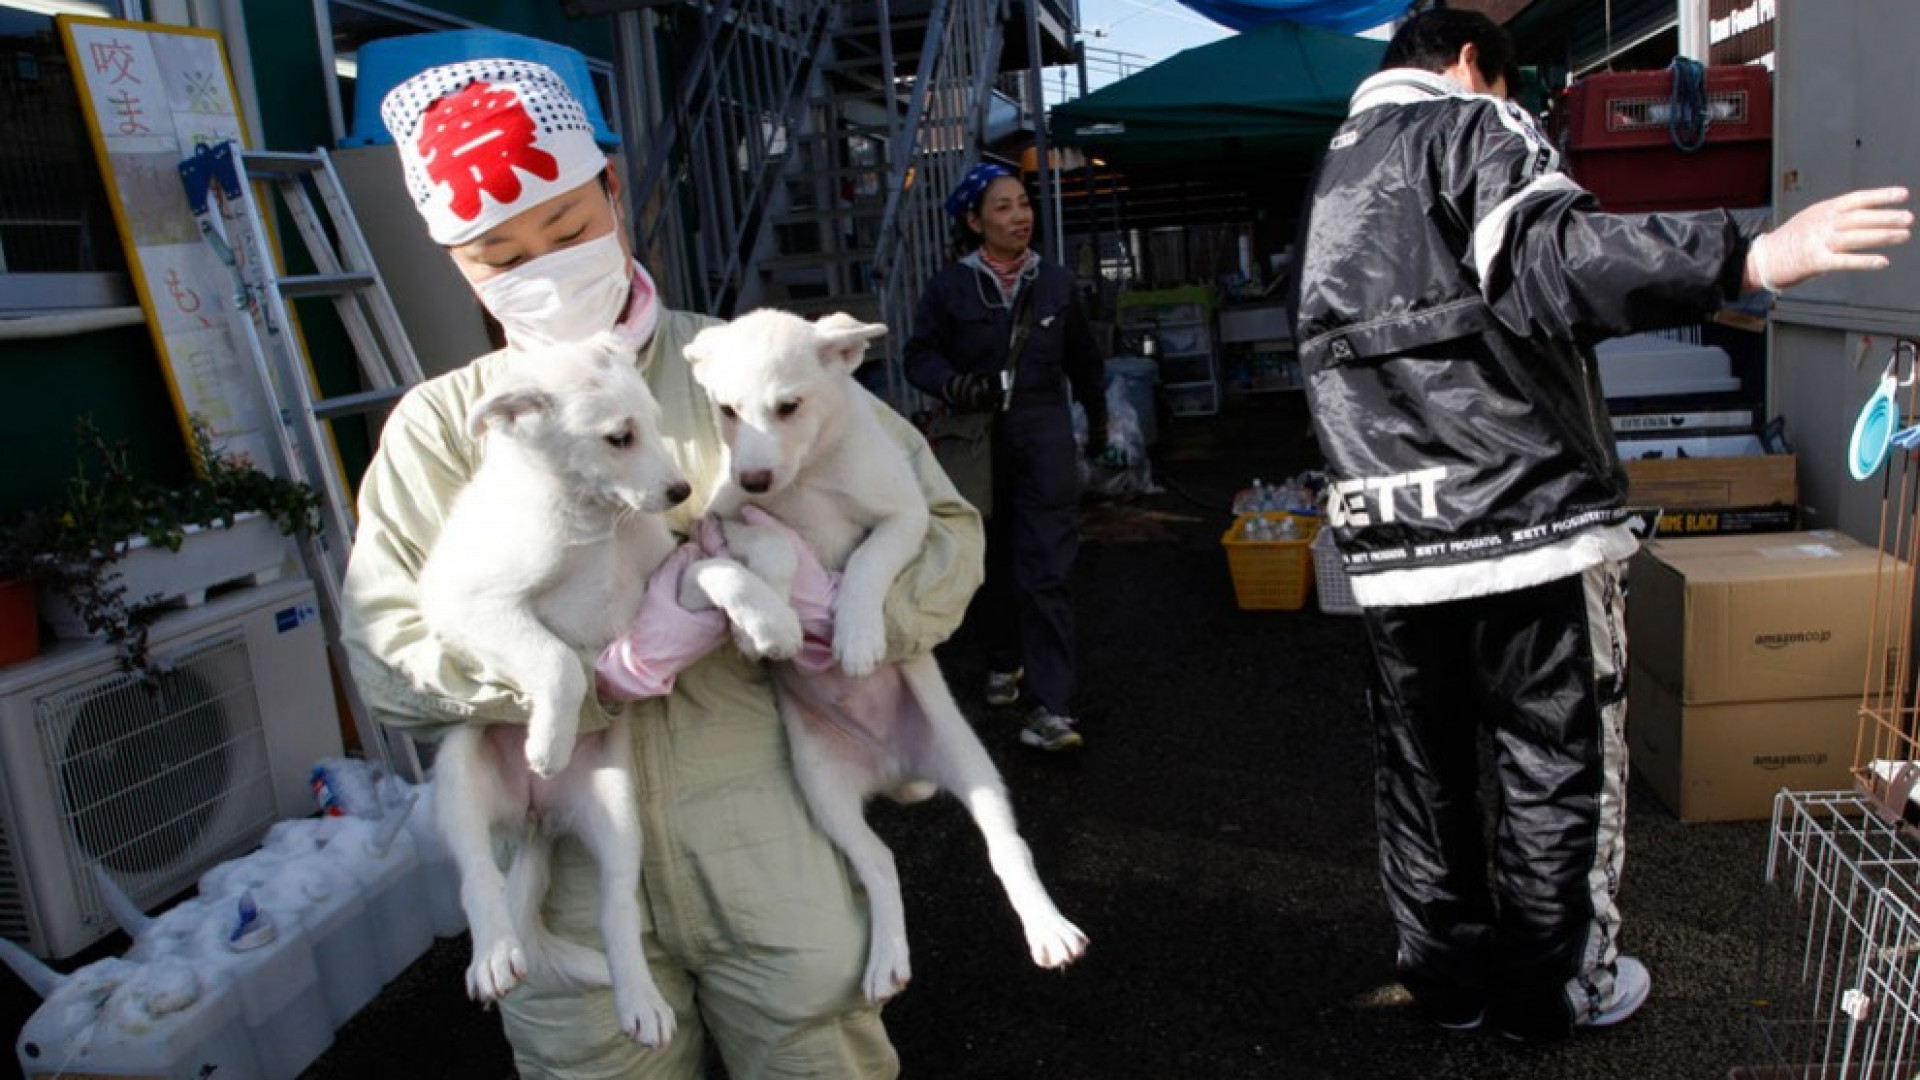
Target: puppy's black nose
[[758, 481], [678, 492]]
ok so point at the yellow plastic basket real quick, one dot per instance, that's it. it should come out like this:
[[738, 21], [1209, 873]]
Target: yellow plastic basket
[[1271, 575]]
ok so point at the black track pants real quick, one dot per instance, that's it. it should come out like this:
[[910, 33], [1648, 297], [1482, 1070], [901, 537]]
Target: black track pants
[[1542, 671]]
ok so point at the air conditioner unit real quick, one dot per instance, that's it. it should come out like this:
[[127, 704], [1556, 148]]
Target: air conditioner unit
[[156, 785]]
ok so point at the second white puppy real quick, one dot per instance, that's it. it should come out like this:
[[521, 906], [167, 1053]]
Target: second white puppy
[[546, 553], [805, 443]]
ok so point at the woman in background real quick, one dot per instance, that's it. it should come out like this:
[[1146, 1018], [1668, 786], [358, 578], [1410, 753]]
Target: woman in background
[[960, 346]]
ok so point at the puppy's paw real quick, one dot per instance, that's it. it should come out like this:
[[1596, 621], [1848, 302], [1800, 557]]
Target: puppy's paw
[[769, 635], [859, 646], [549, 746], [1056, 943], [888, 971], [913, 791], [644, 1015], [498, 966]]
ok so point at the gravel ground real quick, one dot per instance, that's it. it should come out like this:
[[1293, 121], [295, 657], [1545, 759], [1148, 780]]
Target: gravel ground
[[1215, 839]]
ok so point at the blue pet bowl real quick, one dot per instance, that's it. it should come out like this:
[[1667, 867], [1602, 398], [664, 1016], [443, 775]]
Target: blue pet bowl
[[1872, 436], [388, 62]]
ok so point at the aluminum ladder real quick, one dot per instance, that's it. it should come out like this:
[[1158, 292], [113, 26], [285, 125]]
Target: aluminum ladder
[[310, 191]]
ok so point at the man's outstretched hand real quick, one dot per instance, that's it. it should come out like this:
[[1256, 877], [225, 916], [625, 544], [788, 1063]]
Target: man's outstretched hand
[[1830, 235]]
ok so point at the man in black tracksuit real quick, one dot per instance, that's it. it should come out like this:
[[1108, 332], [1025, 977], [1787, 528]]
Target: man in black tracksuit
[[1452, 282]]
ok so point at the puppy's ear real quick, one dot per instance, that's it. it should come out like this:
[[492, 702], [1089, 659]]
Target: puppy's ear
[[508, 409], [843, 339], [611, 349], [702, 346]]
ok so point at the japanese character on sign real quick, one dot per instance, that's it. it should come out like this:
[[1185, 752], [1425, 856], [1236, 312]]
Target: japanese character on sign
[[127, 107], [474, 140], [114, 58], [185, 297]]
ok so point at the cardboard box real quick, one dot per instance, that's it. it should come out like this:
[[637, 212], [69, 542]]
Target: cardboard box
[[1759, 480], [1726, 762], [1772, 617], [1714, 496]]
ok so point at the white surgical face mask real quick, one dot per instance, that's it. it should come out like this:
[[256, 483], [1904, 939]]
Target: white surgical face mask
[[568, 295]]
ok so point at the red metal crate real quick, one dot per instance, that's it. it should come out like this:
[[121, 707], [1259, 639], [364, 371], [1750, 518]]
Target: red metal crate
[[1620, 148]]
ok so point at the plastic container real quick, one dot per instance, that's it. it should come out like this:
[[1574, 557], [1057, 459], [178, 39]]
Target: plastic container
[[333, 916], [1136, 376], [235, 936], [1331, 588], [271, 964], [1647, 365], [439, 875], [158, 1020], [1270, 575], [1193, 399], [388, 62], [397, 911], [1621, 148]]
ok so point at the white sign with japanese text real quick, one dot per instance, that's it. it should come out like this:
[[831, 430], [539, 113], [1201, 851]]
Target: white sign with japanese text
[[154, 93]]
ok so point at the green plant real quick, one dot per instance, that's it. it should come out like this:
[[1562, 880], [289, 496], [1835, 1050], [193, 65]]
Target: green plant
[[73, 547]]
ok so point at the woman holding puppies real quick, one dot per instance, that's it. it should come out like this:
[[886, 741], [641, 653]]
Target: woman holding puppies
[[964, 351], [755, 933]]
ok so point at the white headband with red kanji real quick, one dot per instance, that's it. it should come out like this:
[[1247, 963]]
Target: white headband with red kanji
[[483, 140]]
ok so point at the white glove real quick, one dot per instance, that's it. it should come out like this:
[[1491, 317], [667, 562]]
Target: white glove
[[1824, 236]]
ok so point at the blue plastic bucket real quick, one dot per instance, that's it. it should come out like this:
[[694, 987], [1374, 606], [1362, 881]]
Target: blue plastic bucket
[[388, 62]]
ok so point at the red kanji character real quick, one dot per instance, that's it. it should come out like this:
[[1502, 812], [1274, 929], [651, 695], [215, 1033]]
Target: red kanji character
[[114, 58], [474, 140]]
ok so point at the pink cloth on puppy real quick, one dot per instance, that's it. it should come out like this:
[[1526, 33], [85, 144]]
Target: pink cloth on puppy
[[666, 639], [865, 711], [663, 640]]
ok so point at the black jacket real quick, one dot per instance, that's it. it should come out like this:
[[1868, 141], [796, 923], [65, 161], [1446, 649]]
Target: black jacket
[[1452, 282], [956, 330]]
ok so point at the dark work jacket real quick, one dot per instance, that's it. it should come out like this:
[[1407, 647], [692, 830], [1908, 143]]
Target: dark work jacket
[[1452, 282], [955, 331]]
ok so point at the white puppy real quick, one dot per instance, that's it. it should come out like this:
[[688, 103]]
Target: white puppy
[[805, 443], [545, 555]]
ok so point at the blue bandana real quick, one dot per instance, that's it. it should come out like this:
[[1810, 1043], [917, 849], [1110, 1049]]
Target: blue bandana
[[966, 197]]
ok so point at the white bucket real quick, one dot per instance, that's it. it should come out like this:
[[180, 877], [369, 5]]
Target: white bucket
[[155, 1019]]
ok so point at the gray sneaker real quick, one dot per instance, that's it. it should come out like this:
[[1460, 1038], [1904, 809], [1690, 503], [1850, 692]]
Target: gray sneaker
[[1003, 687], [1045, 731]]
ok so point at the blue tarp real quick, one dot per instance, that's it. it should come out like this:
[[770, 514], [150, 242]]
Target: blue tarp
[[1344, 16]]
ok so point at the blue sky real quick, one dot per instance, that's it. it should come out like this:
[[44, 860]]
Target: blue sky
[[1152, 30]]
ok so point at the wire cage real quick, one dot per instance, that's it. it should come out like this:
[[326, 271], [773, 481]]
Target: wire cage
[[1839, 956], [1837, 990]]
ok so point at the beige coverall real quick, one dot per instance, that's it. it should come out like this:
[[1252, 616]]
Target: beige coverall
[[754, 929]]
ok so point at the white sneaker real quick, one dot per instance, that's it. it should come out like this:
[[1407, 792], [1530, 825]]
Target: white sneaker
[[1003, 687], [1631, 985], [1046, 731]]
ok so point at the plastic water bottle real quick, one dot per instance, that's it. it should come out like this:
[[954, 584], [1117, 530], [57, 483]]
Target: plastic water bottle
[[1248, 500]]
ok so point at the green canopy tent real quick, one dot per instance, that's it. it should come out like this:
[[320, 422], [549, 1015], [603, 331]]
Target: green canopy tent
[[1276, 92]]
